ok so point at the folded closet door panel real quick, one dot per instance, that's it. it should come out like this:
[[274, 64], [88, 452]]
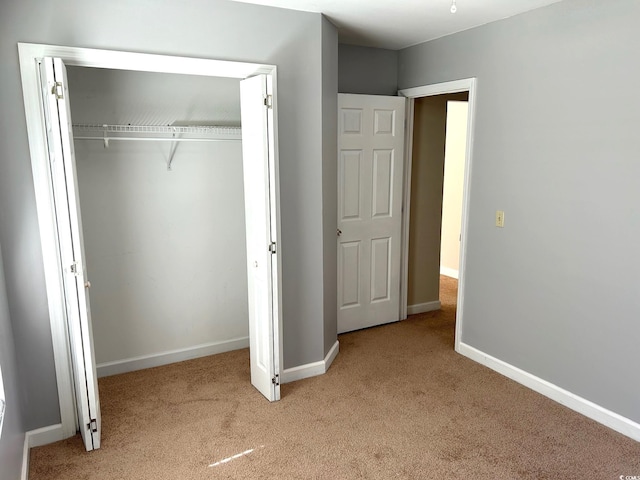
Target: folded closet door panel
[[71, 246], [260, 216]]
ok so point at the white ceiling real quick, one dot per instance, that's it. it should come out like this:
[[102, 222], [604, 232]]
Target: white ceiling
[[403, 23]]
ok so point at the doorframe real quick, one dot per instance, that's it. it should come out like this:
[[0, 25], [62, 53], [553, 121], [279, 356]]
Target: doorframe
[[29, 55], [456, 86]]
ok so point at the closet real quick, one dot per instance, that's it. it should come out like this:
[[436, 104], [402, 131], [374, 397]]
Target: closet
[[160, 180], [165, 252]]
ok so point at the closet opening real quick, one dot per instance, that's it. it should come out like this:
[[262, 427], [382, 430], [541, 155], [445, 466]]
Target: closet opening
[[160, 183], [182, 217]]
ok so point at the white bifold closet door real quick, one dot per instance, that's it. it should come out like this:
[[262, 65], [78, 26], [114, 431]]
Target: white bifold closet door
[[261, 210], [55, 95]]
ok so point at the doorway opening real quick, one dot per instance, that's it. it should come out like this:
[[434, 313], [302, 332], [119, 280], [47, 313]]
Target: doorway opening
[[423, 223], [46, 97]]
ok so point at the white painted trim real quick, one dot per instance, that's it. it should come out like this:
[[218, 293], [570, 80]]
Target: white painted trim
[[570, 400], [48, 237], [331, 355], [406, 206], [454, 86], [311, 369], [467, 84], [37, 438], [466, 195], [424, 307], [172, 356], [25, 460], [448, 272], [144, 62], [44, 435], [29, 55]]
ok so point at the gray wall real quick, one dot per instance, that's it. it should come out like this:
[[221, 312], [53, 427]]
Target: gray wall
[[366, 70], [202, 28], [12, 438], [555, 292], [330, 177], [165, 251]]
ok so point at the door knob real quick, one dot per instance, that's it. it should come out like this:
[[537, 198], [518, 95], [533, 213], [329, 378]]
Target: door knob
[[87, 284], [339, 232]]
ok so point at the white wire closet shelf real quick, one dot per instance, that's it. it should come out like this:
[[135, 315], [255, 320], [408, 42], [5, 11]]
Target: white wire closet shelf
[[168, 133]]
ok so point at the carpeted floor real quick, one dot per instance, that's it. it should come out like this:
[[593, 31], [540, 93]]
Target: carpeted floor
[[398, 402]]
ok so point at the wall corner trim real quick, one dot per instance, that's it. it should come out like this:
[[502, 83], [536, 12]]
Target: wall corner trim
[[570, 400], [44, 435], [311, 369], [423, 307], [25, 460], [37, 438]]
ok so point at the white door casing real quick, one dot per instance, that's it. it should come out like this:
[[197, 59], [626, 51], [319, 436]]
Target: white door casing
[[57, 118], [36, 105], [262, 247], [463, 85], [370, 165]]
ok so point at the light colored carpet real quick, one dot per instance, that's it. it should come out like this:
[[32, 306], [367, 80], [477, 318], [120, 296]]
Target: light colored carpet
[[398, 402]]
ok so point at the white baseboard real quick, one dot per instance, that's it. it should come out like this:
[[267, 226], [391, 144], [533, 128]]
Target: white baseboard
[[44, 435], [311, 369], [449, 272], [570, 400], [173, 356], [423, 307], [37, 438]]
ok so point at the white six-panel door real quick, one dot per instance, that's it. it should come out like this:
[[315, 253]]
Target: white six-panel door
[[370, 166], [55, 94]]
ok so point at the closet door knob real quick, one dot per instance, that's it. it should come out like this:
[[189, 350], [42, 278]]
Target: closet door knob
[[339, 232], [87, 284]]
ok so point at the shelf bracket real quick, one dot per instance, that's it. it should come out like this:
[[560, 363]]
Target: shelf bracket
[[172, 152]]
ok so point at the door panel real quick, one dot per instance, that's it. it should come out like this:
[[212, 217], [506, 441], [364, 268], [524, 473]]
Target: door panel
[[350, 273], [71, 245], [382, 183], [380, 281], [350, 162], [370, 156], [260, 217]]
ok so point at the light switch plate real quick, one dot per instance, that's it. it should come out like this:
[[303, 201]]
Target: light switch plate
[[499, 218]]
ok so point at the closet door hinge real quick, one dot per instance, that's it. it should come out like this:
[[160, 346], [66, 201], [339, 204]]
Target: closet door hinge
[[58, 90], [268, 101], [93, 425], [74, 269], [272, 247], [276, 380]]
